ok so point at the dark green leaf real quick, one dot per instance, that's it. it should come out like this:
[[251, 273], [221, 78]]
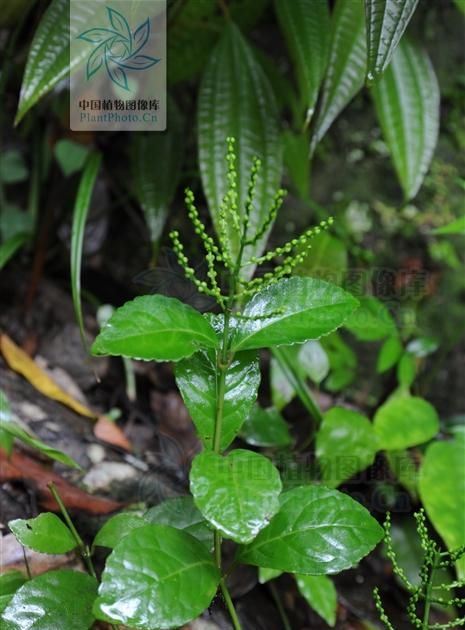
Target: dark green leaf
[[442, 491], [80, 212], [70, 155], [327, 259], [306, 28], [296, 162], [56, 599], [292, 311], [116, 528], [320, 593], [316, 531], [46, 533], [236, 100], [155, 327], [372, 321], [346, 69], [407, 103], [238, 493], [157, 577], [196, 379], [12, 168], [9, 584], [386, 22], [390, 352], [9, 248], [181, 513], [345, 444], [405, 421], [266, 427]]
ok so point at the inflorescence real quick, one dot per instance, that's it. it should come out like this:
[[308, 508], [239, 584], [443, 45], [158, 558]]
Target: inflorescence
[[426, 590], [234, 221]]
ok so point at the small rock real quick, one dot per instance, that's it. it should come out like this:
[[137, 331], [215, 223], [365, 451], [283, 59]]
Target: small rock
[[96, 453], [103, 475]]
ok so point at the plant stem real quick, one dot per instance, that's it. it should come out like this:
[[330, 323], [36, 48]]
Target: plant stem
[[429, 587], [279, 606], [83, 548]]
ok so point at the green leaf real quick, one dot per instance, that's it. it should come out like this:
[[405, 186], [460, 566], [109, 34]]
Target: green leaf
[[154, 186], [327, 259], [442, 491], [386, 22], [316, 531], [406, 370], [314, 361], [80, 212], [390, 352], [405, 421], [292, 311], [116, 528], [10, 582], [13, 168], [56, 599], [404, 469], [306, 27], [14, 221], [236, 100], [181, 513], [46, 533], [345, 444], [157, 577], [460, 4], [296, 161], [266, 427], [265, 575], [196, 378], [346, 69], [372, 321], [9, 248], [155, 327], [407, 104], [320, 593], [454, 227], [49, 60], [237, 493], [71, 156]]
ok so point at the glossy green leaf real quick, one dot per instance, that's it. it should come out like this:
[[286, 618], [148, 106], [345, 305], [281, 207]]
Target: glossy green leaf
[[56, 599], [346, 69], [196, 378], [157, 577], [316, 531], [345, 444], [49, 60], [454, 227], [265, 575], [156, 160], [71, 156], [155, 327], [9, 248], [442, 491], [306, 28], [237, 493], [236, 100], [372, 321], [80, 212], [116, 528], [314, 361], [10, 582], [386, 21], [266, 427], [389, 354], [46, 533], [181, 513], [405, 421], [327, 259], [407, 104], [292, 311], [320, 593]]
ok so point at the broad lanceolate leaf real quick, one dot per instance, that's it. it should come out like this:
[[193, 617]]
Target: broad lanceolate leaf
[[46, 533], [238, 493], [156, 160], [407, 103], [49, 59], [157, 577], [236, 100], [316, 531], [306, 27], [266, 427], [116, 528], [345, 444], [345, 73], [181, 513], [57, 599], [155, 327], [320, 593], [292, 311], [196, 379], [442, 491], [405, 421], [386, 21]]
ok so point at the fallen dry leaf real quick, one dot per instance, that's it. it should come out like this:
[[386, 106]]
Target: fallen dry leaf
[[109, 432]]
